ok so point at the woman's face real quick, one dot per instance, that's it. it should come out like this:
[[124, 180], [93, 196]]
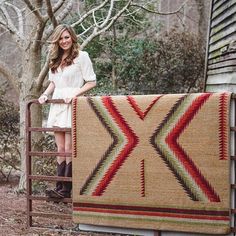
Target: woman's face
[[65, 41]]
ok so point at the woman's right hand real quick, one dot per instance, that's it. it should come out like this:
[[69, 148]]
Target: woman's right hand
[[43, 98]]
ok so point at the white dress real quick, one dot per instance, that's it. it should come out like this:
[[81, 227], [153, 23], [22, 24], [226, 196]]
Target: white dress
[[67, 81]]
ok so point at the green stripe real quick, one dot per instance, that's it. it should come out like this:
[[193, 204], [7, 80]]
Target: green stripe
[[144, 218], [160, 141], [113, 154]]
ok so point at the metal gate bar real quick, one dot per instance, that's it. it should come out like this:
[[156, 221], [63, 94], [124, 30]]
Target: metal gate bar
[[29, 176]]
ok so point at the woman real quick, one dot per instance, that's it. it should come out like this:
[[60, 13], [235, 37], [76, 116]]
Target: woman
[[71, 74]]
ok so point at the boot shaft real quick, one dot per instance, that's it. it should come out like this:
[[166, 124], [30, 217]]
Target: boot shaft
[[67, 186], [68, 170], [61, 168], [60, 172]]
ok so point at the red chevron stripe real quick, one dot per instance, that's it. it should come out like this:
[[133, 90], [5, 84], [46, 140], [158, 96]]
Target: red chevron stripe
[[135, 106], [143, 213], [132, 141], [223, 126], [188, 164]]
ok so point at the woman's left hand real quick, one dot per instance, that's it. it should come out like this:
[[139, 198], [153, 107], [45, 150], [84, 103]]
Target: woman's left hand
[[68, 100]]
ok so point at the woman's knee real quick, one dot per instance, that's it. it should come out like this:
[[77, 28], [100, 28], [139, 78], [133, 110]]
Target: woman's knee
[[60, 141], [61, 148], [68, 144], [68, 148], [68, 160], [61, 159]]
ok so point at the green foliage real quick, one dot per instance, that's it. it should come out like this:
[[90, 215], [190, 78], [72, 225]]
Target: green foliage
[[131, 68], [9, 141], [173, 63], [133, 58]]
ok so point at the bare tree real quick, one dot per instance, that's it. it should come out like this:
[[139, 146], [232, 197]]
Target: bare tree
[[31, 23]]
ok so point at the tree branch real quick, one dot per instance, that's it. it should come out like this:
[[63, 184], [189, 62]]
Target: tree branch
[[158, 12], [9, 25], [9, 22], [3, 23], [42, 74], [60, 18], [20, 19], [35, 11], [112, 21], [39, 35], [58, 5], [108, 15], [51, 13], [84, 32], [65, 11], [133, 19], [89, 13]]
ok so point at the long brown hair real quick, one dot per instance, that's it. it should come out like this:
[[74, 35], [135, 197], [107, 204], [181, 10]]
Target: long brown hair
[[56, 52]]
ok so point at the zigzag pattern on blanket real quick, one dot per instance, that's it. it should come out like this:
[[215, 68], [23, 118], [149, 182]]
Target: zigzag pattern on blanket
[[165, 140], [183, 140], [125, 141]]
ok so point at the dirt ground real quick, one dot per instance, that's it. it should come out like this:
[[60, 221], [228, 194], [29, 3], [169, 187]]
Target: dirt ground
[[13, 216]]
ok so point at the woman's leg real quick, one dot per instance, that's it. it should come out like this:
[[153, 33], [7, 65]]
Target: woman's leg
[[61, 160], [67, 186], [68, 146], [61, 163], [60, 142]]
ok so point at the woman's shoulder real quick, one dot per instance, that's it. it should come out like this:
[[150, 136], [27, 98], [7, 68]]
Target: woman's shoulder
[[82, 56]]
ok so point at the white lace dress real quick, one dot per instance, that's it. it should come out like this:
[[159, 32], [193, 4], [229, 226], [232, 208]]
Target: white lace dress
[[67, 81]]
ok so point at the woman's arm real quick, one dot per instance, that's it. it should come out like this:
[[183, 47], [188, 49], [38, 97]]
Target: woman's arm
[[44, 97], [85, 88], [80, 91]]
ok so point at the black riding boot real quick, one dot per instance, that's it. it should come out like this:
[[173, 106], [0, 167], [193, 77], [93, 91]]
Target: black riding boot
[[65, 192], [60, 172], [67, 186]]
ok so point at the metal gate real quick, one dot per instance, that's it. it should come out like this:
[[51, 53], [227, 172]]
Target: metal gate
[[30, 154]]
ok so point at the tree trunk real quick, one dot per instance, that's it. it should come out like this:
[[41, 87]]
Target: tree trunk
[[28, 91], [202, 5], [113, 59]]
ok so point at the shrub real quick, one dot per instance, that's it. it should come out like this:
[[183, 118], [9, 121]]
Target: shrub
[[171, 63], [9, 142], [44, 166]]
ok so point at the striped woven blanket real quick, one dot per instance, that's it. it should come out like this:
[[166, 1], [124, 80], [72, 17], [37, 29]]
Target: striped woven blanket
[[153, 162]]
